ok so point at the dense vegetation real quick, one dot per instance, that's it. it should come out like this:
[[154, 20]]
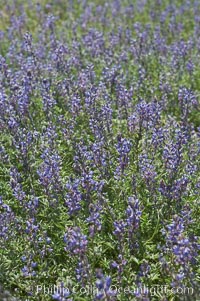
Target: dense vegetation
[[100, 150]]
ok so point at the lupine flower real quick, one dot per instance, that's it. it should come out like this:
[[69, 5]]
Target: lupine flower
[[61, 294], [103, 285], [120, 228], [73, 197], [187, 100], [123, 147], [145, 116], [16, 185], [7, 221], [133, 213], [76, 242], [147, 170], [172, 157], [184, 249], [94, 219], [49, 171]]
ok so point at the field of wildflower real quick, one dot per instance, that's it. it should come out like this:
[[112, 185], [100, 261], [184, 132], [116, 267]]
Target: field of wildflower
[[99, 150]]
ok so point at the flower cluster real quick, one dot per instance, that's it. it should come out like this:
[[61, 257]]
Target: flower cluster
[[100, 147], [184, 249], [76, 242]]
